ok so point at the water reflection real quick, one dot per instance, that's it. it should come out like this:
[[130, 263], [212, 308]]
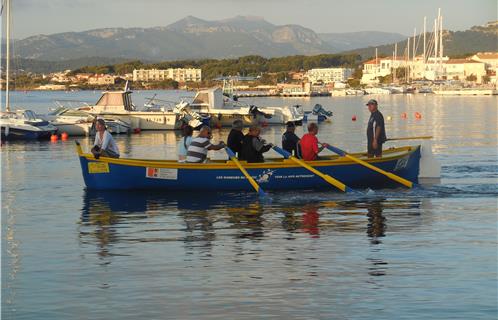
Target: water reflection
[[198, 218]]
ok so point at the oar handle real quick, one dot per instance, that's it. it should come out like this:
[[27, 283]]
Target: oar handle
[[410, 138], [340, 152], [286, 154], [229, 151]]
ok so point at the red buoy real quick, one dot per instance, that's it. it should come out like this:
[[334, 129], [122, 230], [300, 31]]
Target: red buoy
[[137, 130], [54, 138], [64, 136], [353, 118]]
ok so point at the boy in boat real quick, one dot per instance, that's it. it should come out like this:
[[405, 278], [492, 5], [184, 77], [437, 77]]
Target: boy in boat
[[236, 136], [253, 146], [290, 139], [198, 148], [104, 144], [309, 144], [376, 132]]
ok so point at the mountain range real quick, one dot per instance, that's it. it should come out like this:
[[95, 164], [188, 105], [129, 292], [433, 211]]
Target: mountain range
[[194, 38]]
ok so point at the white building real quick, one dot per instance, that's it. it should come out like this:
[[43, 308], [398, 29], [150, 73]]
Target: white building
[[432, 69], [380, 67], [329, 75], [460, 69], [177, 74], [101, 79]]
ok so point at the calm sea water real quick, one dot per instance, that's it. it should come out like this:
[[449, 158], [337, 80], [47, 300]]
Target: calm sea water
[[395, 254]]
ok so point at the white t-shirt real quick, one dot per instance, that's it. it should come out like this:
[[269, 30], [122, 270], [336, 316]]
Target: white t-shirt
[[106, 143]]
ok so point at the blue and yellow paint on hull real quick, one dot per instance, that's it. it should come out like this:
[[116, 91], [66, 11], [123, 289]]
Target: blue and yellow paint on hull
[[274, 174]]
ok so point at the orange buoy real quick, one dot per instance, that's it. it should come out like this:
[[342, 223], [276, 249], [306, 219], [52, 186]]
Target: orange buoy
[[418, 115], [353, 118], [137, 130], [403, 115], [54, 138], [64, 136]]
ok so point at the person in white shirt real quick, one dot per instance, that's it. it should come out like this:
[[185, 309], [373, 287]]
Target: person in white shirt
[[184, 143], [198, 148], [104, 144]]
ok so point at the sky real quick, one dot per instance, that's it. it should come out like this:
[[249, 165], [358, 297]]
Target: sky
[[33, 17]]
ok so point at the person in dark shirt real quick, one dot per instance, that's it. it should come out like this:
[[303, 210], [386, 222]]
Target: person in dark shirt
[[376, 132], [290, 139], [236, 136], [253, 146]]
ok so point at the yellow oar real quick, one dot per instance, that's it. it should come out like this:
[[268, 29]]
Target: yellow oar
[[254, 184], [411, 138], [390, 175], [336, 183]]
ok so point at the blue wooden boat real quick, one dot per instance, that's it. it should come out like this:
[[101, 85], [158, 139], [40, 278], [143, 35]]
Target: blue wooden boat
[[221, 175]]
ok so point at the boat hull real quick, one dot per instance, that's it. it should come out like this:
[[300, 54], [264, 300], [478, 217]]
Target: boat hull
[[21, 134], [74, 129], [146, 120], [276, 174]]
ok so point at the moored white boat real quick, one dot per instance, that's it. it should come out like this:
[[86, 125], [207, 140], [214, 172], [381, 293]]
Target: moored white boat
[[222, 110], [24, 125], [118, 105]]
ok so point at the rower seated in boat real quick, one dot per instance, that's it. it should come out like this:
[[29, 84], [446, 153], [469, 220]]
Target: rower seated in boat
[[200, 145], [104, 144], [309, 144], [253, 146]]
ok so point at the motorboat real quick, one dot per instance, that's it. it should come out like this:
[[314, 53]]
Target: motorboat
[[71, 121], [118, 105], [318, 114], [222, 109], [24, 125], [19, 124]]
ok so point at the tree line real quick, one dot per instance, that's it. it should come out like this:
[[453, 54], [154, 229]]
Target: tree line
[[252, 65]]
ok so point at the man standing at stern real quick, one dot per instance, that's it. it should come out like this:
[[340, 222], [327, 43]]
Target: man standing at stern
[[376, 132]]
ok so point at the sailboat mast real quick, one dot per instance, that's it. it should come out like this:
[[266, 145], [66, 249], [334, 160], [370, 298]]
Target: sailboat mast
[[395, 60], [441, 41], [407, 77], [7, 62], [425, 58], [413, 49]]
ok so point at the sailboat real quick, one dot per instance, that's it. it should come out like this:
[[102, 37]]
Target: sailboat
[[19, 124]]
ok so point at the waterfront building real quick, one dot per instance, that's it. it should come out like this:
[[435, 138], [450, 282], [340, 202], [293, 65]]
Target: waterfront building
[[380, 67], [101, 79], [328, 75], [460, 69], [177, 74]]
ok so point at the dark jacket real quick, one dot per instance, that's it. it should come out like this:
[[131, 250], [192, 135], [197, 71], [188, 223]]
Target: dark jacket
[[249, 151], [234, 141], [289, 142]]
